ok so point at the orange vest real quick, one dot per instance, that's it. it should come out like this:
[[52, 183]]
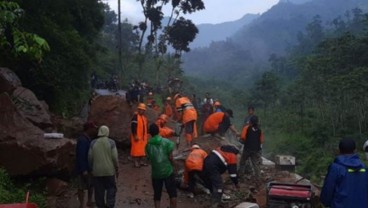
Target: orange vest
[[212, 122], [168, 110], [184, 105], [138, 147], [243, 135], [230, 158], [165, 131], [195, 160]]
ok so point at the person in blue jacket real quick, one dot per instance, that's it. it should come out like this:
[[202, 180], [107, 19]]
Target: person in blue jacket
[[346, 183]]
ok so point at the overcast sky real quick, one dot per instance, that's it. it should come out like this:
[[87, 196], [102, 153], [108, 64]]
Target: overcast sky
[[216, 11]]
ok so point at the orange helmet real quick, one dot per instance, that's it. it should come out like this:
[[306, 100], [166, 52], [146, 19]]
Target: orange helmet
[[141, 106], [217, 103], [164, 117]]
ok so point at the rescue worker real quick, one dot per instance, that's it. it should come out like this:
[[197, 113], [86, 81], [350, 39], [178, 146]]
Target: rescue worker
[[168, 108], [217, 107], [187, 116], [219, 123], [206, 110], [215, 164], [149, 99], [346, 183], [207, 98], [165, 131], [252, 138], [139, 136], [193, 167], [251, 113]]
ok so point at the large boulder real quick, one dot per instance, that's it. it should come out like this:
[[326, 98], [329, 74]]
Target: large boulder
[[8, 80], [23, 148], [115, 113], [31, 108]]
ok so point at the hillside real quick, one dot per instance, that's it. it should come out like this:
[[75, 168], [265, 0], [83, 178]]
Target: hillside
[[273, 32], [217, 32]]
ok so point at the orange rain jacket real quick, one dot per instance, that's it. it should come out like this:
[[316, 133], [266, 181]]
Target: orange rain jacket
[[213, 121], [165, 131], [139, 128], [193, 162], [184, 105]]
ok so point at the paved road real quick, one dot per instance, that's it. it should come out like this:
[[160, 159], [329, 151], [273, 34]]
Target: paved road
[[108, 92]]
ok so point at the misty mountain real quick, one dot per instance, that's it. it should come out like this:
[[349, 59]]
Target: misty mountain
[[217, 32], [273, 32]]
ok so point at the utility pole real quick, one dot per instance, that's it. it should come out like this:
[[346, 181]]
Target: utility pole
[[119, 40]]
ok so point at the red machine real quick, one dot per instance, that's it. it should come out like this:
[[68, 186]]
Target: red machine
[[20, 205], [281, 195]]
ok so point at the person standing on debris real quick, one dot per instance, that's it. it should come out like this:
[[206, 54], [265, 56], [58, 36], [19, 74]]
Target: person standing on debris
[[82, 166], [207, 98], [193, 167], [103, 158], [168, 108], [346, 183], [250, 115], [159, 152], [165, 131], [187, 116], [216, 163], [219, 123], [252, 138], [206, 111], [139, 136]]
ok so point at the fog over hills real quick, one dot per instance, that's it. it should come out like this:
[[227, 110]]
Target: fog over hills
[[217, 32], [272, 32]]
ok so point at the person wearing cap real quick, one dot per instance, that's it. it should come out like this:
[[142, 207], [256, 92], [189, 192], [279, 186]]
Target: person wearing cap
[[160, 153], [193, 167], [215, 164], [103, 158], [165, 131], [346, 183], [139, 136], [252, 138], [187, 116], [219, 123], [82, 166], [149, 99], [168, 108]]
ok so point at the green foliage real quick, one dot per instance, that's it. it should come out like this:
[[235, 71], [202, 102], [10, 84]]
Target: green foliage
[[10, 193], [16, 44]]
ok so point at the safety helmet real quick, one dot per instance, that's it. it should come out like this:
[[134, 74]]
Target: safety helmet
[[177, 95], [150, 93], [141, 106], [168, 98], [195, 146], [217, 103], [164, 117]]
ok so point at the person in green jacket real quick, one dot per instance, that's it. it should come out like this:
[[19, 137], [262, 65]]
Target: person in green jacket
[[159, 152], [103, 158]]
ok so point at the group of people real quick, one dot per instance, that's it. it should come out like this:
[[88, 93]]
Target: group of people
[[346, 184]]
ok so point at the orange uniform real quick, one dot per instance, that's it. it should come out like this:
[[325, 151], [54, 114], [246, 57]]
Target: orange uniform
[[243, 135], [165, 131], [139, 129], [168, 110], [213, 121], [184, 105], [194, 162]]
